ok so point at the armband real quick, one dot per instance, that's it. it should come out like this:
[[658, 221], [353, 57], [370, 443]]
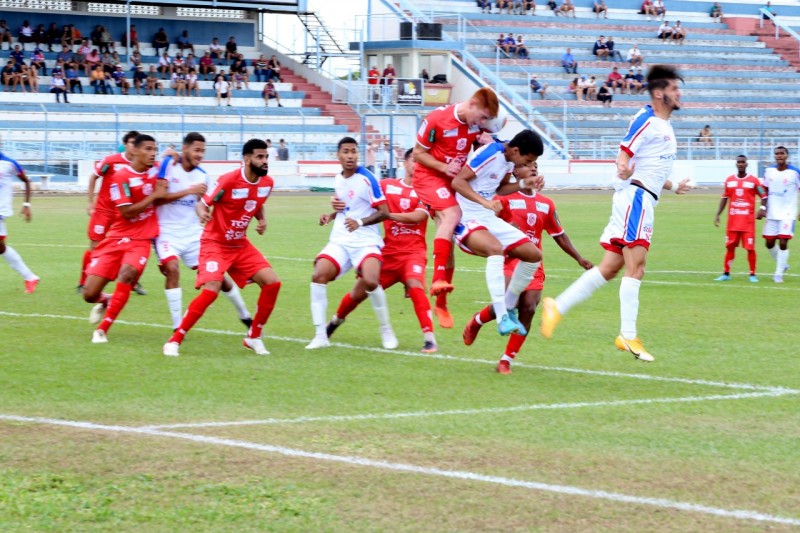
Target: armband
[[26, 204], [360, 222]]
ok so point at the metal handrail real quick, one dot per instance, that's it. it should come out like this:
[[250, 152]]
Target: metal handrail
[[779, 26]]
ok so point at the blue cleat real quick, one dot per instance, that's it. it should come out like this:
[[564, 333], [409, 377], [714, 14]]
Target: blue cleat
[[512, 314], [753, 278], [506, 326], [725, 277]]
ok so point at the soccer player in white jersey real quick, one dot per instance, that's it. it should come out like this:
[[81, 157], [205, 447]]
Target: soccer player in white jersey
[[355, 242], [483, 233], [179, 225], [10, 169], [644, 163], [780, 207]]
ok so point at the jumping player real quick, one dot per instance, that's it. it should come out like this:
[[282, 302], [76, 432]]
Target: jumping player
[[10, 169], [123, 253], [237, 198], [179, 225], [355, 242], [533, 213], [405, 253], [781, 182], [741, 189], [644, 164], [443, 143]]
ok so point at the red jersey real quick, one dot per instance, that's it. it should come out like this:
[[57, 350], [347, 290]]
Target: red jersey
[[235, 202], [531, 214], [400, 237], [446, 138], [127, 188], [106, 169], [742, 193]]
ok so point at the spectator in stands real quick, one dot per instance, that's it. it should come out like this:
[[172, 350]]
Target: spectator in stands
[[272, 152], [716, 12], [72, 75], [216, 50], [160, 40], [370, 157], [373, 80], [106, 41], [11, 75], [165, 65], [179, 81], [191, 62], [53, 36], [76, 33], [647, 9], [261, 67], [485, 5], [223, 89], [538, 88], [635, 57], [5, 34], [80, 55], [678, 32], [660, 9], [178, 62], [191, 83], [600, 7], [60, 66], [65, 55], [631, 83], [528, 5], [589, 88], [92, 61], [518, 7], [39, 35], [140, 79], [705, 137], [510, 45], [30, 75], [270, 93], [96, 35], [120, 80], [615, 80], [18, 55], [424, 75], [553, 7], [613, 53], [25, 33], [768, 8], [569, 63], [275, 69], [231, 51], [600, 48], [240, 74], [24, 75], [501, 42], [136, 60], [66, 36], [184, 43], [388, 76], [664, 31], [99, 80], [207, 65], [503, 4], [133, 38], [283, 151], [116, 60], [522, 48], [604, 95], [572, 87], [58, 87], [640, 78], [568, 7], [108, 63], [38, 61], [153, 82], [580, 91]]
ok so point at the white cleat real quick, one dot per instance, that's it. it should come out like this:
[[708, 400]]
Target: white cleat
[[172, 349], [99, 337], [97, 313], [388, 339], [318, 342], [257, 345]]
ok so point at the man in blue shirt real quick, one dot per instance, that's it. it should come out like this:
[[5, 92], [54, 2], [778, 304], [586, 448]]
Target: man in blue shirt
[[569, 63], [73, 78]]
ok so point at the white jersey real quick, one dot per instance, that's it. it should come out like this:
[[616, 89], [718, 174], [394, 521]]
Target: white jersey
[[490, 167], [361, 194], [178, 218], [9, 171], [782, 188], [651, 144]]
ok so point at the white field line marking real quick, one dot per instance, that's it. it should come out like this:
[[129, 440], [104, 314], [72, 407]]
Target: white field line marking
[[476, 411], [444, 357], [662, 503]]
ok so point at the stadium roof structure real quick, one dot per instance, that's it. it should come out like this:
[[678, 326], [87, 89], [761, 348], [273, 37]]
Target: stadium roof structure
[[266, 6]]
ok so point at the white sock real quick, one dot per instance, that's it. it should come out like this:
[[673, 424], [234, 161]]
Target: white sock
[[496, 282], [16, 262], [175, 304], [774, 252], [629, 306], [319, 308], [580, 290], [783, 258], [378, 300], [520, 279], [430, 337], [235, 297]]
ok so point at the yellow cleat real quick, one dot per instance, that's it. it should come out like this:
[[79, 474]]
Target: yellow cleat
[[636, 347], [550, 317]]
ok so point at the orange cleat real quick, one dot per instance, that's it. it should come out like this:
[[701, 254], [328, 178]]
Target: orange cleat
[[441, 286], [503, 367], [471, 331], [444, 317], [30, 285]]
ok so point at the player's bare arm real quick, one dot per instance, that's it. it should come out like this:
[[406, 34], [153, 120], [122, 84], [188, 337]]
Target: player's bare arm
[[26, 205], [524, 181], [414, 217], [624, 167], [381, 214], [203, 212], [565, 244], [681, 187], [423, 157], [261, 227], [92, 199], [722, 202], [130, 211], [461, 186], [337, 204], [326, 218], [762, 209], [198, 189]]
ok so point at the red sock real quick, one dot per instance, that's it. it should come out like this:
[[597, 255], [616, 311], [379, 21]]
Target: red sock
[[118, 300], [87, 256], [193, 314], [486, 315], [266, 303], [441, 298], [730, 253], [346, 306], [422, 307], [515, 342], [442, 248], [751, 258]]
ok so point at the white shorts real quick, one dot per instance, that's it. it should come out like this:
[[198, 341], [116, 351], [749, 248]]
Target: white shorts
[[779, 229], [347, 257], [508, 236], [173, 247], [631, 223], [3, 229]]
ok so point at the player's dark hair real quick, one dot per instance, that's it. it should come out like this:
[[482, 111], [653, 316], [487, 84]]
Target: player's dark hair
[[408, 154], [193, 137], [659, 76], [130, 135], [782, 148], [143, 138], [346, 140], [528, 142], [252, 145], [741, 155]]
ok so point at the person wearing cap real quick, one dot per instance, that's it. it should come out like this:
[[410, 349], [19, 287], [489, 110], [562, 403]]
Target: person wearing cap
[[72, 76], [538, 88], [37, 60], [120, 80]]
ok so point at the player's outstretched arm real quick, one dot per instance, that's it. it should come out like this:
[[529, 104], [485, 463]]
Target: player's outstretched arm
[[413, 217], [681, 187], [381, 214], [26, 205], [565, 244]]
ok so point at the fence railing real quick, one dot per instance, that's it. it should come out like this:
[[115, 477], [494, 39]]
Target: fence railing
[[779, 26], [758, 147]]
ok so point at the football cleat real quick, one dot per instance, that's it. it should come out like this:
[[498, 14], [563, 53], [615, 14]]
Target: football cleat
[[332, 325], [506, 326], [441, 286], [753, 278], [512, 314], [503, 367], [430, 347], [724, 277], [247, 322], [97, 313], [777, 278], [138, 289], [444, 317], [318, 342], [550, 317], [471, 331], [635, 346], [99, 337], [257, 345], [388, 339], [30, 285], [172, 349]]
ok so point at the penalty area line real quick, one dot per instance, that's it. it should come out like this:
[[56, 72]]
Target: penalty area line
[[567, 490]]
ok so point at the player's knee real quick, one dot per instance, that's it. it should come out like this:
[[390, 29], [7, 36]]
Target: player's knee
[[128, 274], [370, 284], [320, 277]]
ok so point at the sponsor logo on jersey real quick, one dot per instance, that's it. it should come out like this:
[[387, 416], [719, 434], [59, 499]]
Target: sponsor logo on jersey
[[135, 182], [450, 133], [461, 144], [393, 189], [250, 206], [263, 192], [474, 129], [405, 203], [240, 194], [731, 184], [531, 220], [212, 266], [517, 204], [113, 191], [543, 207], [749, 185]]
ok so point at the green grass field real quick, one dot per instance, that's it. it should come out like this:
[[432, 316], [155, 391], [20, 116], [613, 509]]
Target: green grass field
[[581, 437]]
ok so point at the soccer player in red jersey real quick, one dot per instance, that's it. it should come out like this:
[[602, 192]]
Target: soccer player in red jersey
[[533, 213], [742, 189], [101, 209], [443, 143], [405, 252], [237, 198], [123, 253]]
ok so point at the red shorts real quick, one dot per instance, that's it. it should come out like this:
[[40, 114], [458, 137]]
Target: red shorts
[[435, 192], [746, 238], [99, 223], [111, 254], [536, 284], [240, 262], [400, 268]]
